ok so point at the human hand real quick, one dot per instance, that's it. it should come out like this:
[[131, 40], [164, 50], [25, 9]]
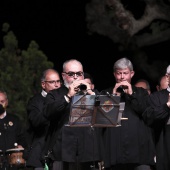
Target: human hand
[[123, 86]]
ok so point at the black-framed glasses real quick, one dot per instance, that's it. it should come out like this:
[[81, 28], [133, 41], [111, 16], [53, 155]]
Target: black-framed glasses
[[72, 74], [53, 81]]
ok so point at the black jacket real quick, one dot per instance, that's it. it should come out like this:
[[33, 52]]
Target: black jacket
[[36, 131], [132, 142], [69, 143], [11, 131], [157, 116]]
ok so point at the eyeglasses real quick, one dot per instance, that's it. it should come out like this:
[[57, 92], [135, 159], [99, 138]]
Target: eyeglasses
[[72, 74], [53, 81]]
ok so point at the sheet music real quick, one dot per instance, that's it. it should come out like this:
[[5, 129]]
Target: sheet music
[[85, 112]]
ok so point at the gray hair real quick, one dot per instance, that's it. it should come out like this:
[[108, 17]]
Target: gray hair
[[45, 72], [122, 64], [71, 60]]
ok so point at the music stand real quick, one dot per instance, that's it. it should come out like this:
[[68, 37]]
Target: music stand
[[96, 111]]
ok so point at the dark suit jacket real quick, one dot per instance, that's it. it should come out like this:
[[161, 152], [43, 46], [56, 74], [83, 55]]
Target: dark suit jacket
[[157, 116], [132, 142], [69, 143], [36, 131], [11, 131]]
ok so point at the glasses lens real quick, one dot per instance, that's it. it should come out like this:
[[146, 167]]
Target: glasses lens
[[71, 74], [79, 73], [57, 81], [53, 81]]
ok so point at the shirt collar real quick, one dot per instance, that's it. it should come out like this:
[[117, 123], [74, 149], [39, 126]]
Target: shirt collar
[[168, 88], [3, 115], [44, 93]]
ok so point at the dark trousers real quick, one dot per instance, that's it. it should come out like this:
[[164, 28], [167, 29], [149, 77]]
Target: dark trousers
[[80, 166], [57, 165], [130, 167]]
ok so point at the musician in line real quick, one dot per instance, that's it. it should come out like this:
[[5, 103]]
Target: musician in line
[[129, 146], [75, 146], [38, 124], [157, 115], [12, 136]]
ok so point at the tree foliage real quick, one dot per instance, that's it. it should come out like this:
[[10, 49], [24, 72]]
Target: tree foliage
[[20, 72]]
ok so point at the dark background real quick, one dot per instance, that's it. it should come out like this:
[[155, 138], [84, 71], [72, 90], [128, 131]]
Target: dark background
[[59, 27]]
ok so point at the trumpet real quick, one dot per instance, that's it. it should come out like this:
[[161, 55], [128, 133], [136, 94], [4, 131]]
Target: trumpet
[[82, 87]]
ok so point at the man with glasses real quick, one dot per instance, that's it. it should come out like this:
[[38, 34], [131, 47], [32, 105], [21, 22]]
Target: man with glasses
[[158, 116], [144, 84], [38, 124], [72, 145]]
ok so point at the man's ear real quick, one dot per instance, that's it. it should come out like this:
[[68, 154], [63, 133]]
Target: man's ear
[[157, 87], [132, 73], [43, 85], [92, 86]]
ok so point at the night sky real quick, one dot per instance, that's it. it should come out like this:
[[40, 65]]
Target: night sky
[[59, 27]]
